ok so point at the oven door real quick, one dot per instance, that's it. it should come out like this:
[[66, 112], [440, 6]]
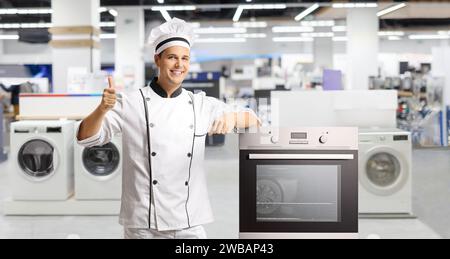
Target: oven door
[[298, 191]]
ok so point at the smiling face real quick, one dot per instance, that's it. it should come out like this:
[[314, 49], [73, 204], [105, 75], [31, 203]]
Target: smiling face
[[173, 64]]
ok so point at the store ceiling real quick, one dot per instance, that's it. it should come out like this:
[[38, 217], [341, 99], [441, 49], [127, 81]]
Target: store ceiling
[[429, 15]]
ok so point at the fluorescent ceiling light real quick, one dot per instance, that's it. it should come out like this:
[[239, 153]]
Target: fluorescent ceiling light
[[307, 12], [390, 9], [107, 24], [35, 25], [34, 11], [250, 24], [160, 1], [26, 11], [106, 36], [102, 9], [10, 26], [281, 29], [175, 8], [292, 39], [394, 38], [241, 8], [339, 28], [195, 24], [220, 30], [42, 25], [323, 23], [340, 38], [221, 40], [391, 33], [318, 34], [166, 15], [251, 35], [9, 37], [8, 11], [355, 5], [238, 14], [429, 37], [264, 6], [113, 12], [24, 25], [444, 32]]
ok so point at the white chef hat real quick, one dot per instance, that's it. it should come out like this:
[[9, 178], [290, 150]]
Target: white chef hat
[[175, 32]]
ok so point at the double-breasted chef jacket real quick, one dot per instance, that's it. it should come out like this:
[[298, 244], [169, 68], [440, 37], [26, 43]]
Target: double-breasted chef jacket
[[164, 183]]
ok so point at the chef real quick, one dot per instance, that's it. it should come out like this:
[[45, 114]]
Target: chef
[[163, 127]]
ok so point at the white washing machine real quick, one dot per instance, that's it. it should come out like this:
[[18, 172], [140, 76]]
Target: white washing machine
[[42, 157], [98, 171], [385, 173]]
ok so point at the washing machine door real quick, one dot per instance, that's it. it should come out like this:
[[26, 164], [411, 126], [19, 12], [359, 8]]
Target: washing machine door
[[37, 159], [384, 171], [101, 161]]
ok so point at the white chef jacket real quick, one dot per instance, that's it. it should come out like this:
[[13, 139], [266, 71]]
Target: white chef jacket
[[173, 194]]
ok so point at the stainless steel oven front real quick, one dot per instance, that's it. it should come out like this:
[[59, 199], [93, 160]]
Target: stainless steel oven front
[[299, 183]]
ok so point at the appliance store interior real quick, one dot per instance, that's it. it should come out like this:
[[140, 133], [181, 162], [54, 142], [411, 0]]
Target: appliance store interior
[[352, 97]]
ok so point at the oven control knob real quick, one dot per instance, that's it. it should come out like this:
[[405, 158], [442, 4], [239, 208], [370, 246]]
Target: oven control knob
[[274, 139], [323, 139]]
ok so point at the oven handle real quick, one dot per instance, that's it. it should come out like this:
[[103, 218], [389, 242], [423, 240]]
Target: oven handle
[[301, 157]]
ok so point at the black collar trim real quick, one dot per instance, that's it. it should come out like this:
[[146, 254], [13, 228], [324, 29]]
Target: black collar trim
[[161, 92]]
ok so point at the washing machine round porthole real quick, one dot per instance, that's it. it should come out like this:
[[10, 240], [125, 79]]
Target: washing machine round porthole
[[101, 161], [384, 171], [36, 159]]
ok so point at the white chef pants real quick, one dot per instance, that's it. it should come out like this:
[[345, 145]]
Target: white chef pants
[[197, 232]]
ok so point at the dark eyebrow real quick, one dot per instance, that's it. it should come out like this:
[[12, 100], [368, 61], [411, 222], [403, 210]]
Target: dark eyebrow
[[175, 55]]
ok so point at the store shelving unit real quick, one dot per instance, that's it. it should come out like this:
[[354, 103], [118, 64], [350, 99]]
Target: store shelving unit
[[421, 110]]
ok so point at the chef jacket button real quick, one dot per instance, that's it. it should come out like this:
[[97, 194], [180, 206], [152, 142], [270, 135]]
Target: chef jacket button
[[190, 102], [191, 126], [186, 183], [152, 125], [189, 155], [155, 182], [147, 99], [153, 154]]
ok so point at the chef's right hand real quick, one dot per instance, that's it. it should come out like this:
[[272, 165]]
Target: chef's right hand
[[109, 97]]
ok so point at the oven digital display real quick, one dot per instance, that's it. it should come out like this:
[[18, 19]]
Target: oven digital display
[[299, 135], [401, 138]]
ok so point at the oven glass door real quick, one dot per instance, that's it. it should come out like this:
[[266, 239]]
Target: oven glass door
[[297, 191]]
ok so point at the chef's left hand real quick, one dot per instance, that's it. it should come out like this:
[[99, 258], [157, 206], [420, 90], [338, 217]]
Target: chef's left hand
[[223, 125]]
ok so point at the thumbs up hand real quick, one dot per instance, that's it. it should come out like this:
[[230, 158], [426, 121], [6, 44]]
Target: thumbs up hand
[[109, 96]]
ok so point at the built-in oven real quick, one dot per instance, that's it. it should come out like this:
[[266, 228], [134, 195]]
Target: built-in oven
[[299, 183]]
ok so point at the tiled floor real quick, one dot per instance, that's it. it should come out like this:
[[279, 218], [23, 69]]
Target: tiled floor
[[431, 203]]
